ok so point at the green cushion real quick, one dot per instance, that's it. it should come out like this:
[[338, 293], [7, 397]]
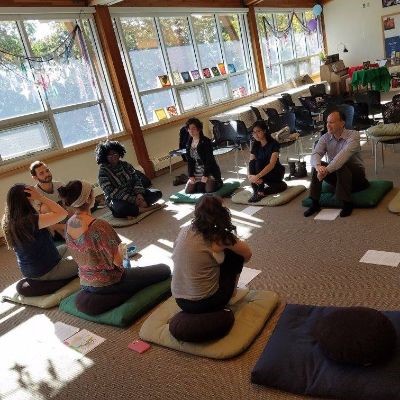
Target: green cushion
[[394, 205], [46, 301], [369, 197], [121, 222], [251, 314], [272, 200], [227, 188], [127, 312]]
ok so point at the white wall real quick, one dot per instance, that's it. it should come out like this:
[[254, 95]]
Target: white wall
[[358, 27]]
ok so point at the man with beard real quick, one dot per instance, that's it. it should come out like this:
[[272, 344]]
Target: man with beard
[[47, 187]]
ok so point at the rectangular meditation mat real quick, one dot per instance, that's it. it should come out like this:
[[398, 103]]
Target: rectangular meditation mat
[[272, 200], [227, 188], [292, 361], [251, 314], [47, 301], [127, 312], [369, 197]]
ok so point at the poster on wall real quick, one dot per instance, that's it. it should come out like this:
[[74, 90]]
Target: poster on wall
[[391, 34], [389, 3]]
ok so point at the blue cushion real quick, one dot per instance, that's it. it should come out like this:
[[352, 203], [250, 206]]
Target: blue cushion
[[369, 197], [294, 362]]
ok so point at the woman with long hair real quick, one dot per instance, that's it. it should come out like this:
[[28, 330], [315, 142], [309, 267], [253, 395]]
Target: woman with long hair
[[125, 188], [203, 170], [97, 248], [26, 233], [265, 170], [208, 259]]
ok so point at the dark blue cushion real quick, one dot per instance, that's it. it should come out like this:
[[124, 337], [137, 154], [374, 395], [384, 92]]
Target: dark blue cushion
[[294, 362]]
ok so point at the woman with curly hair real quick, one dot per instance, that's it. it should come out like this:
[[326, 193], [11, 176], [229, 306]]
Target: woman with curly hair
[[208, 259], [203, 170], [97, 248], [26, 232], [125, 188]]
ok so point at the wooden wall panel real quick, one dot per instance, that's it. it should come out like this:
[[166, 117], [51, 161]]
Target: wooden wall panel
[[181, 3], [43, 3], [281, 3]]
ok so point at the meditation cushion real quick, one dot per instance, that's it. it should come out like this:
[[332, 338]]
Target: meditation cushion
[[227, 189], [250, 313], [124, 314], [33, 287], [121, 222], [356, 335], [44, 301], [95, 304], [394, 205], [294, 362], [369, 197], [198, 328], [384, 130], [271, 200]]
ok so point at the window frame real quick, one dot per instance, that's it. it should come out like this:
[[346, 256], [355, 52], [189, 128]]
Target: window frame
[[47, 114], [117, 13]]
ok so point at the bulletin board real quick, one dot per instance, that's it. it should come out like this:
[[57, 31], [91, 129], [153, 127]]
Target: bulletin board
[[391, 34]]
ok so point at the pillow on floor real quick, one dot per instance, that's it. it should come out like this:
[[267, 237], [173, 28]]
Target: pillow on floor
[[121, 222], [251, 313], [293, 361], [227, 188], [272, 200], [33, 287], [95, 304], [45, 301], [394, 205], [369, 197], [128, 311]]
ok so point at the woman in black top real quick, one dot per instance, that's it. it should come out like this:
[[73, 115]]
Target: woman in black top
[[265, 171], [203, 170]]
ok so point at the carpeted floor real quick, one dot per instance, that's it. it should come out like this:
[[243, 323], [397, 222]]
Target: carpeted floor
[[305, 261]]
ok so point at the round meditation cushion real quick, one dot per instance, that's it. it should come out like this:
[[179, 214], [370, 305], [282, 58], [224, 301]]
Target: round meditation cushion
[[33, 287], [201, 327], [95, 304], [356, 335]]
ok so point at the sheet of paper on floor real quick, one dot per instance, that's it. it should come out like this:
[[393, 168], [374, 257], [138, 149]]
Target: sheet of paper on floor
[[247, 275], [328, 214], [381, 258], [64, 331], [250, 210], [84, 341]]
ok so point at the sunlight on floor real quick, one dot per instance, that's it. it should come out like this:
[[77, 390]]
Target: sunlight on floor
[[181, 210], [11, 314], [35, 364], [5, 307], [154, 254]]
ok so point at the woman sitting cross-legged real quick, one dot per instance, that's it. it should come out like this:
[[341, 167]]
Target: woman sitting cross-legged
[[265, 171], [26, 232], [97, 248], [208, 259], [203, 170], [125, 188]]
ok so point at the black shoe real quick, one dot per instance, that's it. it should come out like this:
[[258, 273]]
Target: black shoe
[[312, 210], [255, 198], [346, 210]]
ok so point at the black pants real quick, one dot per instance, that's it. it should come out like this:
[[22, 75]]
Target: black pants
[[346, 180], [123, 208], [272, 182], [229, 271], [210, 186]]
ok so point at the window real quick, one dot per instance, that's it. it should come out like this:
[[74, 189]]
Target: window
[[185, 61], [54, 91], [289, 49]]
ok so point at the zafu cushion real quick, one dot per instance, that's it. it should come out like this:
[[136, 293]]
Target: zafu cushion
[[227, 188], [394, 205], [271, 200], [251, 313], [386, 130], [369, 197], [34, 287], [201, 327], [121, 222], [45, 301], [95, 304], [294, 362], [128, 311], [356, 335]]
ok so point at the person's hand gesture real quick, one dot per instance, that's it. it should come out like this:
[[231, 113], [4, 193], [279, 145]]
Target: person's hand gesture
[[204, 179], [32, 193]]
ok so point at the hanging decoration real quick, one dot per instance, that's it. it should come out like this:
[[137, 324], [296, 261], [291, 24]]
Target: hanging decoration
[[317, 10], [48, 67], [312, 24]]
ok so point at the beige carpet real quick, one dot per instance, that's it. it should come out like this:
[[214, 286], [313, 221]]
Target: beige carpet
[[305, 261]]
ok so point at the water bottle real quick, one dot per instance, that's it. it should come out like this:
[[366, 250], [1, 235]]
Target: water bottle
[[125, 262]]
